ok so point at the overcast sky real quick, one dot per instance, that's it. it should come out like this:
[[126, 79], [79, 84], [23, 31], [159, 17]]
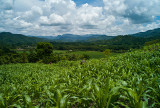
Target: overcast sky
[[54, 17]]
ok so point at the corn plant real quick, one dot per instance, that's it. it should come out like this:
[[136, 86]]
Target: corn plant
[[128, 80]]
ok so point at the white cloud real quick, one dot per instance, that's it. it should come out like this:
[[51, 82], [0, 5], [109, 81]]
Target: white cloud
[[33, 14], [138, 11], [25, 5], [2, 29], [53, 20], [115, 6], [56, 19], [53, 17], [6, 4], [88, 16]]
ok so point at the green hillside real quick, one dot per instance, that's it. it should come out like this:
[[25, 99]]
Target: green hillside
[[16, 40], [87, 42], [149, 33], [130, 80]]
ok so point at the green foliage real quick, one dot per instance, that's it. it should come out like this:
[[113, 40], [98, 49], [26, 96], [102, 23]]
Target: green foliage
[[44, 49], [14, 58], [32, 57], [107, 52], [91, 54], [17, 40], [85, 56], [2, 104], [96, 43], [128, 80], [117, 44], [153, 42]]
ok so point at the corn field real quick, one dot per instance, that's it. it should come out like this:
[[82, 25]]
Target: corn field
[[130, 80]]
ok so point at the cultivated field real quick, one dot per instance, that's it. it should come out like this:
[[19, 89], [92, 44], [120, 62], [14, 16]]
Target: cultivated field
[[125, 80]]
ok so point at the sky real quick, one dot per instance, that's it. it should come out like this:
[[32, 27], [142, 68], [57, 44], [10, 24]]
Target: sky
[[57, 17]]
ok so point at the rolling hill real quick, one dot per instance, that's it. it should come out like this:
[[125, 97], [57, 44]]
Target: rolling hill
[[136, 40], [149, 33], [14, 40]]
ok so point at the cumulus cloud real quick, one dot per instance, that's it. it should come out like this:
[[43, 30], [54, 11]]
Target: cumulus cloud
[[1, 29], [25, 5], [53, 20], [33, 14], [88, 16], [53, 17], [138, 11], [6, 4]]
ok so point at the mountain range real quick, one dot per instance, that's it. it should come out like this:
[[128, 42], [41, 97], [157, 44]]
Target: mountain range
[[95, 37], [149, 33], [7, 38], [76, 38]]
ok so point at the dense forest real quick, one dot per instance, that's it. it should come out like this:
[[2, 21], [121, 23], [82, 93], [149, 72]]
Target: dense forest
[[10, 40], [117, 44]]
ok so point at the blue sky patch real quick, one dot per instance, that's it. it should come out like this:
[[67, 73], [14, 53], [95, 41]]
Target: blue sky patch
[[91, 2], [157, 17]]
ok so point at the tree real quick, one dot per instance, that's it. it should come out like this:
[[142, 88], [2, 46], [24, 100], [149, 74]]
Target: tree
[[107, 52], [85, 56], [33, 57], [44, 49]]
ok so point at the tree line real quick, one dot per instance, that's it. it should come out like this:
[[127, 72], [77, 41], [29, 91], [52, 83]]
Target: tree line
[[43, 53]]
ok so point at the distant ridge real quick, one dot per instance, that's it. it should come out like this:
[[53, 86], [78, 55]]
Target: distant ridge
[[77, 38], [149, 33], [13, 40], [155, 33]]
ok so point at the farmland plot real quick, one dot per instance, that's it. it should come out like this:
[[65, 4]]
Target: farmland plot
[[126, 80]]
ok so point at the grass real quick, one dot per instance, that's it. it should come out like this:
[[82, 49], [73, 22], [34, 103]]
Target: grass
[[59, 51], [92, 54], [130, 80]]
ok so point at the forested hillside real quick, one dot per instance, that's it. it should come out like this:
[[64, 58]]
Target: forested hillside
[[87, 42], [17, 40], [149, 33]]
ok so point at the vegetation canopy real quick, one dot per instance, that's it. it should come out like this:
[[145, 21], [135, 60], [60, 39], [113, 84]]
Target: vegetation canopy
[[44, 48]]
